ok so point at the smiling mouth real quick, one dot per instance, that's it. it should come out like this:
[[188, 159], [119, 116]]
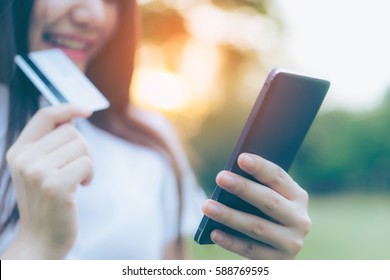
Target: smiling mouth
[[67, 42]]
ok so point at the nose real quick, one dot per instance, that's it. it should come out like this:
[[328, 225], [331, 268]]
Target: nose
[[88, 13]]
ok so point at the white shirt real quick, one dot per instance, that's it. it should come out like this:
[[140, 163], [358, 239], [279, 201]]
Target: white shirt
[[130, 209]]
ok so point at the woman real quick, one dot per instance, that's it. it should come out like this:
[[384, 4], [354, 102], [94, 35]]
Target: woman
[[137, 204]]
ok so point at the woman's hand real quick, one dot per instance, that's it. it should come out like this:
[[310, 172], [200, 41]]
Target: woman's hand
[[47, 162], [283, 200]]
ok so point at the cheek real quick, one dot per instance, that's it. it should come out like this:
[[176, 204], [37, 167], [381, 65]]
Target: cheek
[[34, 28], [39, 19]]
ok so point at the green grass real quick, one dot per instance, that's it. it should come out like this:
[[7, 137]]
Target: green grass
[[349, 227], [344, 227]]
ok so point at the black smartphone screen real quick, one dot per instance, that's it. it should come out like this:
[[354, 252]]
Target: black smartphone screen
[[275, 129]]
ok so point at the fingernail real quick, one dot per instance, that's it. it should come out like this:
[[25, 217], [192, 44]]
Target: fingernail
[[211, 209], [227, 179], [247, 160], [87, 113], [216, 236]]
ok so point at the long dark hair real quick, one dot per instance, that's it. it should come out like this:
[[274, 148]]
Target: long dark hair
[[111, 72]]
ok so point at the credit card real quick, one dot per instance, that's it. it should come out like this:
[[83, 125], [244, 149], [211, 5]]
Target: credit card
[[59, 80]]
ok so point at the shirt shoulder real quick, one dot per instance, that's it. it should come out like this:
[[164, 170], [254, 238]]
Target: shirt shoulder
[[166, 129], [155, 120], [193, 194]]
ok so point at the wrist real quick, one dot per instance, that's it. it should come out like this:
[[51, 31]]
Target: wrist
[[27, 247]]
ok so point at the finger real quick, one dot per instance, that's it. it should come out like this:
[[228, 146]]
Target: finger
[[253, 226], [45, 120], [247, 248], [56, 138], [79, 171], [263, 198], [270, 174], [67, 153]]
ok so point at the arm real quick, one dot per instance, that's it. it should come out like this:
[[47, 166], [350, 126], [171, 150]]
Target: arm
[[283, 200]]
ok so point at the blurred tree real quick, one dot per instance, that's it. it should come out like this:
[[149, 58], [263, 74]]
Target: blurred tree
[[343, 151], [165, 25], [346, 152], [221, 129], [260, 6]]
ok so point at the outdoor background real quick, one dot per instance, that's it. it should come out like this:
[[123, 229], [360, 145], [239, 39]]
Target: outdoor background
[[202, 64]]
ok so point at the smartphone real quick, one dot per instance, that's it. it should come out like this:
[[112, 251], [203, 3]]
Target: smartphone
[[279, 120]]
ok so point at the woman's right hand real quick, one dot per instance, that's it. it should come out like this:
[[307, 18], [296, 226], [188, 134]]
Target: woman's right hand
[[47, 162]]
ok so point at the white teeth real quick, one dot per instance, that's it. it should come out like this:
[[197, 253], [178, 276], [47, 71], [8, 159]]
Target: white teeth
[[66, 42]]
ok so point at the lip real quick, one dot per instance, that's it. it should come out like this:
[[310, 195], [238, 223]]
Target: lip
[[75, 47]]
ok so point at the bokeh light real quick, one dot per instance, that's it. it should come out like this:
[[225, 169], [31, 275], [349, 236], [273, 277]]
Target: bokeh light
[[191, 68]]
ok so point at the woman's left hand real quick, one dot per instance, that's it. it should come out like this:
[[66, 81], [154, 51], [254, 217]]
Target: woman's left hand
[[282, 199]]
